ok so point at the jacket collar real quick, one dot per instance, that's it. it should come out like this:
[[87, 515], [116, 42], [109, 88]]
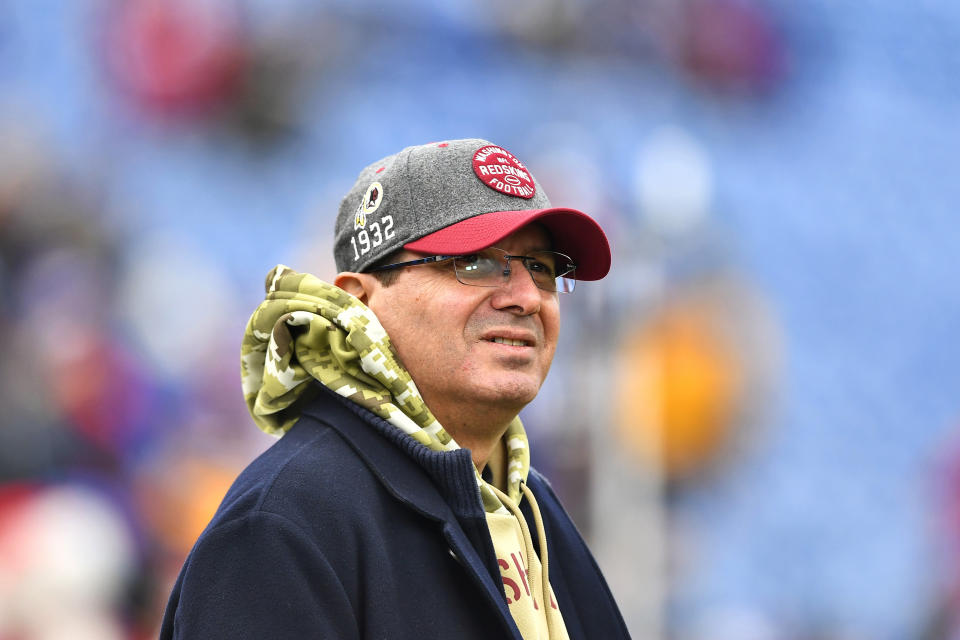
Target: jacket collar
[[440, 485]]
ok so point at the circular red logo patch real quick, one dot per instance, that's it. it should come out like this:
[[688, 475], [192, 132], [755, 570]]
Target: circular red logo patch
[[500, 170]]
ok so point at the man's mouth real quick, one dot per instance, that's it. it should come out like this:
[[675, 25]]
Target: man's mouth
[[509, 341]]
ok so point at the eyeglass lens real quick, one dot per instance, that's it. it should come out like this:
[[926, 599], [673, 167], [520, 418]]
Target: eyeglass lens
[[550, 270]]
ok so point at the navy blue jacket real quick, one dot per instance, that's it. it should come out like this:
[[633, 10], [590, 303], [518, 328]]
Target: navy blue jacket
[[348, 528]]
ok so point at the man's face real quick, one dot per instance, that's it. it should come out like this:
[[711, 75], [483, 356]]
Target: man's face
[[444, 331]]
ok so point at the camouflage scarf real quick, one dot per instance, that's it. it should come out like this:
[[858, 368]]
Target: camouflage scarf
[[309, 329]]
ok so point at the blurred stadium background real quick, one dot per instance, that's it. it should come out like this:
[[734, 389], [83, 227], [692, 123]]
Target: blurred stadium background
[[772, 446]]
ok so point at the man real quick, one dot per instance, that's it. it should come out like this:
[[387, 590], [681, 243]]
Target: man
[[400, 502]]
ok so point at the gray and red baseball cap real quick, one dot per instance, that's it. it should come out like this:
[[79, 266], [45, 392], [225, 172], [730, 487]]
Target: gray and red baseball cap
[[454, 198]]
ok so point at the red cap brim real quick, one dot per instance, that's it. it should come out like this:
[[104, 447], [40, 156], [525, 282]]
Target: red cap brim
[[573, 232]]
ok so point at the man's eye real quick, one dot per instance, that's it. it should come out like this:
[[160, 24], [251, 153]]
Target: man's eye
[[474, 263], [538, 266]]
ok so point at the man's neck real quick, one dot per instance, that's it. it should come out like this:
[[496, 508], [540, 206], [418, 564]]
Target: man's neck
[[480, 448], [476, 428]]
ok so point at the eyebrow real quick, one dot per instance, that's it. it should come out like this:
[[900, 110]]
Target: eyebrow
[[527, 250]]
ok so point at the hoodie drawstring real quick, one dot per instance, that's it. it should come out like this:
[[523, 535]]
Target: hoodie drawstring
[[542, 541], [544, 577]]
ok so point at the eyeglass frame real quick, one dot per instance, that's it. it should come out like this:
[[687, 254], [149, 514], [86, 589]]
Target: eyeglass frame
[[506, 271]]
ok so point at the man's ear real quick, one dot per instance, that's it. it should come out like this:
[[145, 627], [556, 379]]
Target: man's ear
[[359, 285]]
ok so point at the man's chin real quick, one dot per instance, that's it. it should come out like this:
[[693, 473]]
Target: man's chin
[[514, 389]]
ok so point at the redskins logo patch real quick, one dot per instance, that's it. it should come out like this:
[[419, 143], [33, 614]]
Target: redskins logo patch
[[500, 170], [371, 200]]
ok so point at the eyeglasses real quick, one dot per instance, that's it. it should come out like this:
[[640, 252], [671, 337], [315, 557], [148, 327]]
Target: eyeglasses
[[550, 270]]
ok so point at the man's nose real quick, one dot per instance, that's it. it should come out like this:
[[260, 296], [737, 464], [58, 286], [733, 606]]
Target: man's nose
[[518, 291]]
